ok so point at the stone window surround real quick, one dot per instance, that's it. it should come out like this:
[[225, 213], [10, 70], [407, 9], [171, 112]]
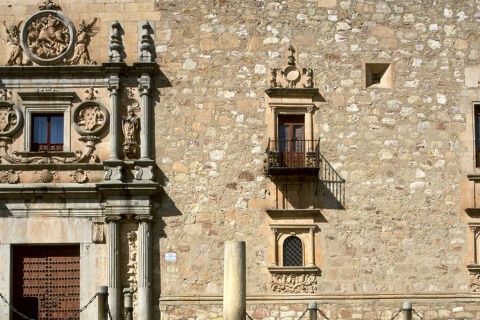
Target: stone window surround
[[306, 233], [47, 102], [292, 109], [386, 71]]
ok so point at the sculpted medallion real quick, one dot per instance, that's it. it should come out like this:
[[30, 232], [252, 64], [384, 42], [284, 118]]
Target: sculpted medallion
[[10, 118], [90, 118], [47, 37]]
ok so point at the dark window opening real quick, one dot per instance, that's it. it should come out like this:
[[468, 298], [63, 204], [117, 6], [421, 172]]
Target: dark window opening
[[47, 132], [291, 140], [477, 135], [376, 78], [292, 252]]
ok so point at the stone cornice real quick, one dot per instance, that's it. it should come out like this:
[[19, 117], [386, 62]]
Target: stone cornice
[[80, 71]]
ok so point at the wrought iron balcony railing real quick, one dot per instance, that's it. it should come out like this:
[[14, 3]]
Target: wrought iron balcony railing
[[293, 157]]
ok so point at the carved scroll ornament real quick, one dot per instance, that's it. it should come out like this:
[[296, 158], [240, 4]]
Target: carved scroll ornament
[[291, 76], [293, 283]]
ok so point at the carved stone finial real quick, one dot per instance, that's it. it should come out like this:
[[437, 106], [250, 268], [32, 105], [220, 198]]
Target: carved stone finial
[[147, 48], [116, 44], [49, 5], [290, 75], [291, 56], [84, 33]]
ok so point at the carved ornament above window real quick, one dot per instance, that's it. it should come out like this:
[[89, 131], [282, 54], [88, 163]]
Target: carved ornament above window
[[47, 37]]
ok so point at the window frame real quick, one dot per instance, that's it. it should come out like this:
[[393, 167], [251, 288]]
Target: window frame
[[476, 134], [307, 233], [49, 135], [49, 102]]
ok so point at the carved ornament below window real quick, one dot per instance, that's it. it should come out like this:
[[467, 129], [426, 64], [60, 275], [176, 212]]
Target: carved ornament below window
[[294, 282]]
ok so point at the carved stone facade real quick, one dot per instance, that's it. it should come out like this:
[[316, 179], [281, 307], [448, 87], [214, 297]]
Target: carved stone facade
[[337, 138]]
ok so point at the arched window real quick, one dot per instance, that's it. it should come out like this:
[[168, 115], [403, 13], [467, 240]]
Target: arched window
[[292, 252]]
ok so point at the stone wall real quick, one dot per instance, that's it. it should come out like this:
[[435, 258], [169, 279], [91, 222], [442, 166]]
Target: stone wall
[[403, 151]]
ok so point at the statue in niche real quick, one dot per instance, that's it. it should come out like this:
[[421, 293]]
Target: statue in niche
[[13, 37], [48, 36], [84, 33], [130, 127]]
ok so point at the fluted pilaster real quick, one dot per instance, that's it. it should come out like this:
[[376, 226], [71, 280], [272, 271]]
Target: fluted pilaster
[[144, 267], [113, 265]]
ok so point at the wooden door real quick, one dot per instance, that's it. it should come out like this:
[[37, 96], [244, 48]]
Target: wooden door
[[46, 281], [291, 132]]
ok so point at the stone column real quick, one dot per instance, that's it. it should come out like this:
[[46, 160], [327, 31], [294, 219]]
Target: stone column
[[113, 265], [309, 127], [311, 262], [234, 291], [115, 132], [144, 267], [145, 116], [275, 247]]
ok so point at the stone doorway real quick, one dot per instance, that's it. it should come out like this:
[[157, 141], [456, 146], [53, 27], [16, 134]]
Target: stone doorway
[[46, 281]]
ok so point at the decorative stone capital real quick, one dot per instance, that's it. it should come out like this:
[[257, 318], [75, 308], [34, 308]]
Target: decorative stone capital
[[112, 219], [144, 218], [113, 83], [144, 84]]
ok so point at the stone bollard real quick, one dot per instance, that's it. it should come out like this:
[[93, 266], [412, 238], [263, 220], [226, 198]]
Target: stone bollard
[[128, 303], [407, 311], [234, 281], [312, 310], [103, 303]]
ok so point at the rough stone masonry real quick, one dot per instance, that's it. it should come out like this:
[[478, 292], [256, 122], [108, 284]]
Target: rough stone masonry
[[395, 114]]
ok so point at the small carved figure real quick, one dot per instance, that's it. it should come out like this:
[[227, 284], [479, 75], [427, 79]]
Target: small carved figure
[[49, 5], [291, 57], [84, 33], [309, 78], [273, 77], [130, 127], [90, 94], [5, 94], [108, 173], [16, 52]]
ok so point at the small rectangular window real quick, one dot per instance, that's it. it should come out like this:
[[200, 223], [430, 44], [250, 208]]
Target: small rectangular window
[[47, 132], [477, 134]]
